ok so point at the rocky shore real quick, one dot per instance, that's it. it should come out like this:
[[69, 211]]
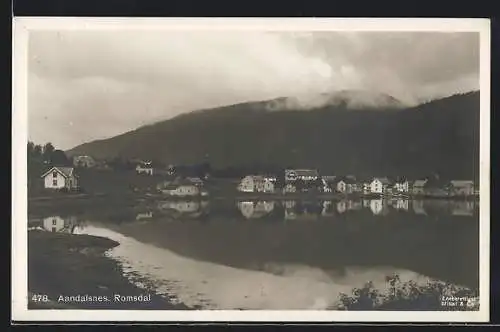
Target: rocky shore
[[68, 271]]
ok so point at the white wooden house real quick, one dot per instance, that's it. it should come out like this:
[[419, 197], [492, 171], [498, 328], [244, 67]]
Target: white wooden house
[[144, 168], [401, 187], [462, 187], [60, 177], [256, 183], [379, 185], [84, 161]]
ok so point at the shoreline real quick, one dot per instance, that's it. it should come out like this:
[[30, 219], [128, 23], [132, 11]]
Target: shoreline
[[68, 271], [239, 196]]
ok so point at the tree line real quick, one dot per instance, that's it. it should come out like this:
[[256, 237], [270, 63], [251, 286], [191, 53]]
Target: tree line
[[46, 153]]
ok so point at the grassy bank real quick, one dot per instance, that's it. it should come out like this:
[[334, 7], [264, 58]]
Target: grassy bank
[[71, 265]]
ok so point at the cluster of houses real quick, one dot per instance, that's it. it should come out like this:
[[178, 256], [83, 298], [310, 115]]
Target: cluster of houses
[[304, 180], [294, 181]]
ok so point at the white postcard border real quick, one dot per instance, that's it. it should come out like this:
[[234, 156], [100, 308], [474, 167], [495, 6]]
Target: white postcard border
[[21, 28]]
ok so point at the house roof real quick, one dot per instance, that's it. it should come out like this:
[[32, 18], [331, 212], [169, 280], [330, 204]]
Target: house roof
[[383, 180], [304, 172], [83, 157], [261, 178], [420, 183], [173, 186], [346, 180], [64, 171], [194, 180]]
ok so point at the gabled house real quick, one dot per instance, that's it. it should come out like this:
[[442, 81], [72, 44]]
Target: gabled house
[[347, 185], [328, 183], [256, 183], [306, 175], [196, 181], [366, 188], [144, 167], [418, 187], [461, 187], [435, 186], [84, 161], [179, 187], [401, 186], [380, 185], [60, 177], [289, 188]]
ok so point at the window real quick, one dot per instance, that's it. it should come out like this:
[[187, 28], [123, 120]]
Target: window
[[54, 221], [54, 175], [54, 182]]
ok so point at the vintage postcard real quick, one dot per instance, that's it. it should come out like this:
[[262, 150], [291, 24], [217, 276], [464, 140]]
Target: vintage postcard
[[266, 170]]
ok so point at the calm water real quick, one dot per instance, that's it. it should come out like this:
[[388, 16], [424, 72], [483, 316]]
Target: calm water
[[283, 254]]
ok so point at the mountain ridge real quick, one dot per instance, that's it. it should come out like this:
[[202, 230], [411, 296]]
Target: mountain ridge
[[440, 136]]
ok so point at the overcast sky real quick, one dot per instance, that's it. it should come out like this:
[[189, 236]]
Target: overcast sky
[[87, 85]]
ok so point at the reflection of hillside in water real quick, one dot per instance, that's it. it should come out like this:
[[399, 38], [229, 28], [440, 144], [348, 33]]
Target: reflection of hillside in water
[[444, 247], [209, 285]]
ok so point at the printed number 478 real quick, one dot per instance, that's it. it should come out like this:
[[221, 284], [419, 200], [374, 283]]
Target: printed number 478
[[39, 298]]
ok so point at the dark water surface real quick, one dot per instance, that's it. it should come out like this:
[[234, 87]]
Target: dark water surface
[[286, 254]]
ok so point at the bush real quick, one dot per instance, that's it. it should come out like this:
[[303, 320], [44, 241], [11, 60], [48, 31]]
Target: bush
[[405, 296]]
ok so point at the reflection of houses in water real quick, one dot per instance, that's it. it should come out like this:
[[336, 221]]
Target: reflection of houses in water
[[462, 208], [59, 224], [289, 204], [418, 207], [251, 210], [328, 209], [400, 204], [437, 206], [290, 212], [341, 206], [191, 208], [366, 203], [144, 215], [379, 207], [354, 205], [180, 206], [348, 205], [295, 210]]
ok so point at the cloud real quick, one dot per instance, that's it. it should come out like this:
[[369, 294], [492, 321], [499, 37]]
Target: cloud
[[86, 85]]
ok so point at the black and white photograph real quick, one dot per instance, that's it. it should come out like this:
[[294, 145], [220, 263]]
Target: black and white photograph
[[251, 169]]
